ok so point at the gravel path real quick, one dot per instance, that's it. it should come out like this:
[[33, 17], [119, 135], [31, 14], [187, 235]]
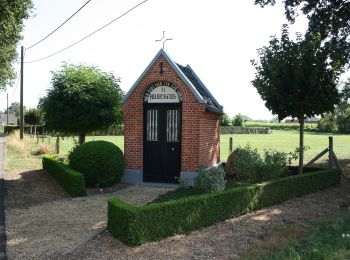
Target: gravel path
[[223, 240], [57, 227]]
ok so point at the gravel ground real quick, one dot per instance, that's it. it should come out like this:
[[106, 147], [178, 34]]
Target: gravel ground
[[53, 226], [224, 240], [57, 227], [29, 188]]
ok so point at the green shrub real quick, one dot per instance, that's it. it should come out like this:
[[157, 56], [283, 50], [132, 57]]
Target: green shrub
[[275, 165], [8, 129], [72, 181], [328, 123], [210, 180], [101, 163], [135, 225], [247, 164], [244, 163]]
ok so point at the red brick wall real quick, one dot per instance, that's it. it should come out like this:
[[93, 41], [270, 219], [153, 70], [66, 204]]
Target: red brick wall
[[209, 139], [200, 142]]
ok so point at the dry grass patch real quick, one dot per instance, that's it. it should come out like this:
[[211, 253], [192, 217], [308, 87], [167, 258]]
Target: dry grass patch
[[24, 154], [276, 239]]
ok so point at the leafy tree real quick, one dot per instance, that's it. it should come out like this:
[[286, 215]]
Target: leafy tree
[[12, 13], [14, 109], [33, 117], [238, 120], [343, 118], [330, 19], [225, 120], [342, 112], [81, 99], [346, 92], [296, 79], [339, 120], [328, 123]]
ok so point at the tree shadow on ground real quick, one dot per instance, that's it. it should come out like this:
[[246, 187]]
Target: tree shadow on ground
[[344, 164], [28, 188]]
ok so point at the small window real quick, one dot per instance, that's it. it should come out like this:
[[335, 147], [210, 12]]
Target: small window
[[152, 125], [172, 126]]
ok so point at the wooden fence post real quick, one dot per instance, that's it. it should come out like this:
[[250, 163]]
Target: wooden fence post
[[330, 153], [57, 146], [231, 145]]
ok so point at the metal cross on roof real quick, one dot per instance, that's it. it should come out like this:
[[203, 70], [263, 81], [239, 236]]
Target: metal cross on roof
[[164, 39]]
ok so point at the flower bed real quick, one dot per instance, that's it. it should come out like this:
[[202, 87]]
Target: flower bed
[[135, 225]]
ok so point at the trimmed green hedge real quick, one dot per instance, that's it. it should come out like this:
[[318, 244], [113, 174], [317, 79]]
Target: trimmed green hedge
[[8, 129], [72, 181], [135, 225]]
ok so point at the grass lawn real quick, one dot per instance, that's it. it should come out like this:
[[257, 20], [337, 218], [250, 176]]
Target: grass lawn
[[280, 140], [286, 141]]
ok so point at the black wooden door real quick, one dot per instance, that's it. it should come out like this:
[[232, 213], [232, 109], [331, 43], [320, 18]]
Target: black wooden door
[[162, 142]]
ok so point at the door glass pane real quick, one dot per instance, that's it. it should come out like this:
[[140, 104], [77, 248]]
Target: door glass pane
[[172, 125], [152, 125]]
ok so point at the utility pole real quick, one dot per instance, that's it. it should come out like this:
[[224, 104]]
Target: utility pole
[[21, 121], [7, 110]]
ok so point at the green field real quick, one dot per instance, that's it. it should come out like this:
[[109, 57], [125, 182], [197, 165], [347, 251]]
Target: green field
[[285, 141]]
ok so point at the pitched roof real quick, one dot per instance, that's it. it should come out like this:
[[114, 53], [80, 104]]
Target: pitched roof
[[12, 119], [189, 77]]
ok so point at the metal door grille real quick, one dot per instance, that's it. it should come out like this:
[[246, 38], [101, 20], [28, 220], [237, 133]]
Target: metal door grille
[[172, 126], [152, 125]]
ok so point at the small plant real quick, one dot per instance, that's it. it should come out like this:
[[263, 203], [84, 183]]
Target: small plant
[[183, 183], [210, 180]]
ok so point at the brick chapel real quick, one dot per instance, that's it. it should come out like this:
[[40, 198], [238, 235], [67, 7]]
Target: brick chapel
[[171, 124]]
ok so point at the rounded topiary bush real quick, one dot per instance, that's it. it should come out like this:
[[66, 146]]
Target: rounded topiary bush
[[101, 163]]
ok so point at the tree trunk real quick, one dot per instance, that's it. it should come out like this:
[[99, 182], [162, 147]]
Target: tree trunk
[[35, 130], [81, 138], [301, 145]]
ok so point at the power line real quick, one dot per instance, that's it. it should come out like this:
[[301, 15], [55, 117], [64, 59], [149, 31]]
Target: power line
[[87, 36], [58, 26], [17, 80]]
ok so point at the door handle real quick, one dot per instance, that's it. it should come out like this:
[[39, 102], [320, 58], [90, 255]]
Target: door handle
[[172, 148]]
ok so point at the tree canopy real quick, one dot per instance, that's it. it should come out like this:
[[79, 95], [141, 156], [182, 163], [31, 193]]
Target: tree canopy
[[296, 79], [81, 99], [238, 120], [330, 19], [12, 13], [33, 117], [225, 120], [14, 109]]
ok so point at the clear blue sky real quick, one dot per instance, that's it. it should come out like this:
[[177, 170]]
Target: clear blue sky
[[217, 38]]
